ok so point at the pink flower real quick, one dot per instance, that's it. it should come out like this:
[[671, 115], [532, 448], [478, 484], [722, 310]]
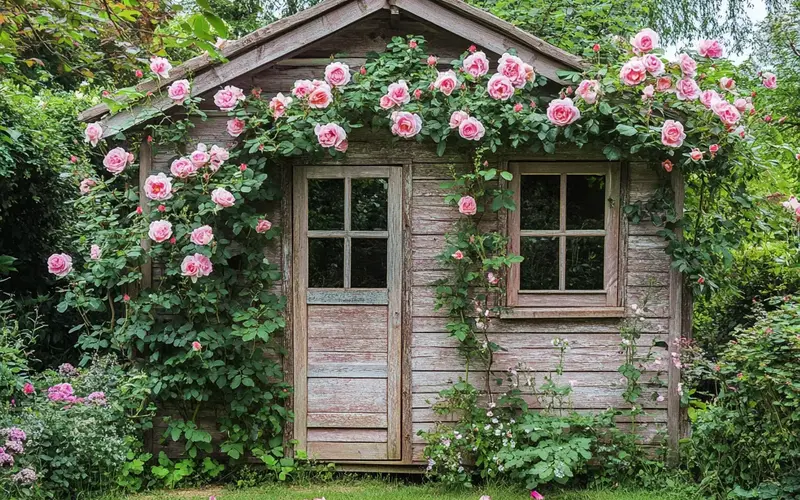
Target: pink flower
[[713, 149], [116, 160], [726, 83], [596, 47], [663, 84], [139, 73], [476, 64], [672, 134], [667, 165], [769, 80], [633, 72], [330, 135], [302, 88], [687, 89], [412, 44], [485, 497], [562, 112], [179, 91], [417, 94], [73, 159], [263, 226], [471, 129], [196, 266], [342, 147], [492, 278], [707, 97], [126, 298], [95, 252], [200, 156], [653, 64], [387, 102], [61, 392], [160, 231], [158, 187], [458, 255], [183, 168], [139, 210], [645, 41], [196, 346], [405, 124], [696, 154], [93, 132], [688, 65], [648, 92], [162, 208], [588, 90], [228, 97], [160, 67], [202, 235], [446, 81], [513, 68], [217, 156], [791, 204], [86, 185], [432, 60], [398, 92], [235, 127], [726, 112], [337, 74], [740, 103], [28, 388], [500, 87], [59, 264], [467, 205], [710, 48], [457, 117], [223, 198], [518, 107], [278, 105], [320, 97]]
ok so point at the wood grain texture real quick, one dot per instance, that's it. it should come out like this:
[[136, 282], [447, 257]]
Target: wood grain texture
[[145, 167], [348, 420], [395, 294], [300, 311], [347, 435], [347, 451], [676, 287], [345, 395]]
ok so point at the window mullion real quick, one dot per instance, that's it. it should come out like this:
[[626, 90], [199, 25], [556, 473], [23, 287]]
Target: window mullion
[[347, 225], [562, 240]]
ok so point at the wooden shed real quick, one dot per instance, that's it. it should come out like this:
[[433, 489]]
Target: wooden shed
[[368, 350]]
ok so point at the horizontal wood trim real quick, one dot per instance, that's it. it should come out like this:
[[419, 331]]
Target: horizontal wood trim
[[352, 234], [347, 451], [348, 420], [342, 171], [562, 312], [346, 395], [565, 299], [352, 296], [569, 168], [347, 435], [574, 233]]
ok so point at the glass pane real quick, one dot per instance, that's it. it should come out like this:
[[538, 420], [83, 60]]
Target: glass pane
[[539, 197], [368, 263], [539, 270], [325, 204], [585, 263], [586, 201], [369, 201], [326, 263]]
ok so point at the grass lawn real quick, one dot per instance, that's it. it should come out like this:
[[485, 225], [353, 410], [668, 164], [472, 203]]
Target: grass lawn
[[378, 490]]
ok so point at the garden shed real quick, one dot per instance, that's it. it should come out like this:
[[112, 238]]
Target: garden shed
[[361, 234]]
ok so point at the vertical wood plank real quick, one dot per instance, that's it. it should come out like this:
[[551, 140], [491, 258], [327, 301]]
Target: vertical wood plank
[[675, 326], [288, 289], [407, 429], [622, 260], [348, 242], [145, 166], [512, 292], [300, 325], [394, 280], [611, 257], [562, 241]]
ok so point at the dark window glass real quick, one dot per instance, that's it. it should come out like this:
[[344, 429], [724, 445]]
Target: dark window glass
[[585, 263], [368, 264], [539, 270], [586, 201], [369, 201], [539, 197], [325, 204], [325, 263]]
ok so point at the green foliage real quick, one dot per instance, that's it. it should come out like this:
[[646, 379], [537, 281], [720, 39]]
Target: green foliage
[[16, 340]]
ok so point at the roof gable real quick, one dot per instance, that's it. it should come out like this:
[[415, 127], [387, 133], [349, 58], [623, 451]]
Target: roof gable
[[291, 35]]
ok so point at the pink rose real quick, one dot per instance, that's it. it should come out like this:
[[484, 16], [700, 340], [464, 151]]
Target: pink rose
[[59, 264], [235, 127], [446, 81], [179, 91], [726, 112], [263, 226], [518, 107], [529, 73], [200, 156], [471, 129], [713, 149], [86, 185], [687, 89], [302, 88], [222, 197], [648, 92], [588, 90], [653, 64], [196, 266], [458, 255], [535, 495], [342, 147], [94, 132], [633, 72], [492, 278], [769, 80], [158, 187], [513, 68], [228, 97], [476, 64], [398, 92], [500, 87], [707, 97], [95, 252], [278, 104], [28, 388], [710, 48], [663, 84], [672, 134], [217, 156], [562, 112], [196, 346], [457, 117], [330, 135], [387, 102], [467, 205], [337, 74], [726, 83], [320, 97], [696, 154], [645, 41], [688, 65], [116, 160], [406, 124], [160, 231], [183, 168], [160, 67], [202, 235], [432, 60], [740, 103]]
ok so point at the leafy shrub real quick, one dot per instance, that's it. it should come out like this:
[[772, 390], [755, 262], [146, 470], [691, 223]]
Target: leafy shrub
[[747, 440], [15, 343]]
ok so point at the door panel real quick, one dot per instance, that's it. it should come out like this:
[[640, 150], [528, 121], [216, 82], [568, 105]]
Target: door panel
[[348, 290]]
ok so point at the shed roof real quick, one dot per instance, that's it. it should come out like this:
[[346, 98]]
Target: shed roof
[[289, 35]]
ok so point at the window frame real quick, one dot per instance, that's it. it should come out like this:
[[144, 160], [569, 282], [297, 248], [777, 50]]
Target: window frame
[[592, 302]]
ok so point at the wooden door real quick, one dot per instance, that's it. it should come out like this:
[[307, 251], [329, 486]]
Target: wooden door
[[347, 311]]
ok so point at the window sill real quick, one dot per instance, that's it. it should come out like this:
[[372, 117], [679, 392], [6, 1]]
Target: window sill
[[562, 312]]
